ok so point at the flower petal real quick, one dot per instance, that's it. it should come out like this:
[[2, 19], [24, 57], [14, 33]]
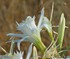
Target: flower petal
[[17, 35], [46, 24], [29, 51], [41, 18]]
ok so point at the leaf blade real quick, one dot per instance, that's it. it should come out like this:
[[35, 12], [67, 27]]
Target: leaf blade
[[61, 30]]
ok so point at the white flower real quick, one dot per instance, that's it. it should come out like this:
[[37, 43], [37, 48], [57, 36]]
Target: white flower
[[18, 55], [29, 28], [31, 32]]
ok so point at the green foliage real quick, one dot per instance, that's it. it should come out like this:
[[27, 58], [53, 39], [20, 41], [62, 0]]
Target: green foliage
[[61, 31]]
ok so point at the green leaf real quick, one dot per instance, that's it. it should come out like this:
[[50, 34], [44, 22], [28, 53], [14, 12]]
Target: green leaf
[[61, 30], [35, 55], [67, 48], [52, 12]]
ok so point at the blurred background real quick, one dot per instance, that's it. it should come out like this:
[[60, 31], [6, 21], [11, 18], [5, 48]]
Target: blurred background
[[17, 10]]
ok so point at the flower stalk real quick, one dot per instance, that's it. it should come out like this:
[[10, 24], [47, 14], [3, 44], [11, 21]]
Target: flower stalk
[[39, 44]]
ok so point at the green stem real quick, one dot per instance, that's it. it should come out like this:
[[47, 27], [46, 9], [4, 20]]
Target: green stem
[[39, 44]]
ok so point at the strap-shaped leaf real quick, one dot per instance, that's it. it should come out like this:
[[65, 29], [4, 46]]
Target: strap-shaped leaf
[[61, 30]]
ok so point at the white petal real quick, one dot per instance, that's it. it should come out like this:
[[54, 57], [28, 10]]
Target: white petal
[[17, 35], [41, 18], [46, 24], [17, 23], [29, 52]]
